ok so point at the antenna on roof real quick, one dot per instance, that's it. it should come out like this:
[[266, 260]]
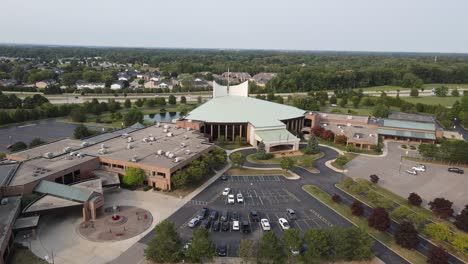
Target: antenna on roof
[[228, 82]]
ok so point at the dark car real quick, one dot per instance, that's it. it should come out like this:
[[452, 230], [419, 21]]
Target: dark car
[[214, 215], [216, 226], [234, 216], [203, 213], [206, 223], [456, 170], [254, 216], [221, 249], [225, 226], [224, 216], [245, 227], [224, 177], [291, 214]]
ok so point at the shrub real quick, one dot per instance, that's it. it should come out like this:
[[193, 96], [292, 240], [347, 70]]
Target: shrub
[[404, 146], [437, 231], [327, 135], [336, 198], [417, 219], [437, 255], [441, 207], [357, 208], [379, 219], [374, 178], [350, 148], [406, 235], [348, 182], [400, 212], [317, 130], [341, 160], [341, 139], [461, 220], [414, 199], [133, 176]]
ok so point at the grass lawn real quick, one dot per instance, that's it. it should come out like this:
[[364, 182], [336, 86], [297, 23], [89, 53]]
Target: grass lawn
[[22, 255], [305, 161], [433, 100], [234, 171], [345, 110], [411, 255], [232, 146], [349, 157], [383, 88]]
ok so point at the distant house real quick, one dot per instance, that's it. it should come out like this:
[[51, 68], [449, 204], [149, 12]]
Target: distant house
[[151, 84], [198, 82], [45, 83], [82, 85], [262, 78], [135, 84], [8, 82], [239, 76], [117, 85], [163, 85]]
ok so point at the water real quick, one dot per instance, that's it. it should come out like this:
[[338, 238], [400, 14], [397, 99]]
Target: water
[[162, 117]]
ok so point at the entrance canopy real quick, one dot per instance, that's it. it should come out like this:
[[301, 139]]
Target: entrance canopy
[[277, 137]]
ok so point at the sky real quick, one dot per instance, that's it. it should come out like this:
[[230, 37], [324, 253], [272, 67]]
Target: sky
[[343, 25]]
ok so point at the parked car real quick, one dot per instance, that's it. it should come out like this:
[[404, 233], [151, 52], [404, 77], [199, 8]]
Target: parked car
[[240, 198], [214, 215], [412, 172], [216, 226], [231, 199], [291, 214], [419, 167], [224, 216], [224, 177], [194, 222], [245, 227], [235, 225], [203, 213], [284, 223], [254, 216], [456, 170], [226, 191], [206, 223], [221, 249], [234, 216], [225, 226], [265, 224]]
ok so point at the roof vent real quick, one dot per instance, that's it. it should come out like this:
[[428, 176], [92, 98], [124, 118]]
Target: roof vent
[[157, 124], [67, 149], [125, 135], [177, 159], [84, 144], [165, 130], [129, 146], [48, 155], [182, 145], [129, 139], [102, 151], [135, 158], [349, 117], [146, 140], [166, 126], [169, 134], [4, 201], [160, 152], [80, 155], [73, 153], [185, 136], [187, 152], [188, 129]]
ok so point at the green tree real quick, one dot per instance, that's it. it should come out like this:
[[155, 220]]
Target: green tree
[[2, 155], [172, 100], [200, 249], [36, 142], [312, 145], [455, 92], [287, 163], [441, 91], [165, 246], [292, 240], [180, 179], [183, 100], [81, 131], [320, 245], [133, 176], [78, 114], [381, 110], [437, 231], [127, 103], [261, 152], [237, 159], [269, 249], [17, 146], [247, 250], [333, 99], [414, 92], [354, 245], [132, 116]]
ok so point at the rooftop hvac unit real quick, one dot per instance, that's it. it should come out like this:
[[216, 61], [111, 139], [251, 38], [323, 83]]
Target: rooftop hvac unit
[[348, 124], [151, 138], [129, 139], [4, 201], [135, 158], [165, 130], [188, 129], [171, 155], [67, 149], [358, 136], [187, 151], [145, 140], [342, 131], [158, 124], [84, 144], [169, 134], [349, 117], [177, 159], [48, 155], [182, 145], [160, 152], [129, 146], [73, 153], [166, 126], [125, 135], [80, 155], [103, 146], [102, 151]]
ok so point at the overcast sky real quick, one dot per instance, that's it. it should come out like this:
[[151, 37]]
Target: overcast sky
[[348, 25]]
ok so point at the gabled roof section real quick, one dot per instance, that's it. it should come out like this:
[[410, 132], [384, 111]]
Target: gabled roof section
[[408, 124], [276, 136], [64, 191]]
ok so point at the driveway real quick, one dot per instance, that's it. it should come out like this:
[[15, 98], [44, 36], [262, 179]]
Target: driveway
[[435, 182]]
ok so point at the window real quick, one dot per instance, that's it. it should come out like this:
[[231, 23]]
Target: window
[[76, 173], [162, 174]]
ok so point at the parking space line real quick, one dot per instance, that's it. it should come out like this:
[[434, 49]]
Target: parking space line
[[291, 195]]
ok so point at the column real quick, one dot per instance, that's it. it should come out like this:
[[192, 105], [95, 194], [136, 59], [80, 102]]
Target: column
[[219, 131], [233, 132], [226, 132], [211, 132], [240, 130]]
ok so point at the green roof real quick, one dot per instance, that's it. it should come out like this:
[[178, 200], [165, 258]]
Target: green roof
[[409, 134], [408, 124], [276, 135], [240, 109], [63, 191]]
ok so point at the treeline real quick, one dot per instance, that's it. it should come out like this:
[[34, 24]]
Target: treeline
[[12, 101], [450, 151]]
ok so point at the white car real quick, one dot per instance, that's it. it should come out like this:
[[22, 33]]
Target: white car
[[284, 223], [265, 224], [419, 167], [194, 222], [414, 172], [231, 199], [240, 198], [235, 225], [226, 191]]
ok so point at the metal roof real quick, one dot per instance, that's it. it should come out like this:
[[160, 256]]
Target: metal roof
[[276, 135], [239, 109], [401, 133], [63, 191], [408, 124]]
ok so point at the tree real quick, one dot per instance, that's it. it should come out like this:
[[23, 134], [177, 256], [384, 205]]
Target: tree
[[36, 142], [292, 240], [333, 99], [133, 176], [414, 92], [455, 92], [406, 235], [261, 152], [81, 131], [172, 100], [287, 163], [312, 145], [247, 250], [270, 249], [237, 159], [127, 103], [437, 231], [78, 114], [341, 139], [132, 116], [165, 246], [200, 249], [344, 101], [381, 110], [183, 100], [317, 130], [17, 146], [441, 91], [199, 99], [352, 244], [320, 245], [327, 135], [437, 255], [374, 178], [357, 208], [336, 198], [461, 220], [441, 207], [379, 219], [411, 81], [414, 199], [139, 102]]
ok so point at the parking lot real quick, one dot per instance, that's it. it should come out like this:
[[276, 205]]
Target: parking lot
[[269, 196]]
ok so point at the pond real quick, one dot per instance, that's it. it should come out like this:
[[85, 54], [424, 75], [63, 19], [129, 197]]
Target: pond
[[166, 117]]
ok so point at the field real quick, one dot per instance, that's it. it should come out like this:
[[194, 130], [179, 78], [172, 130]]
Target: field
[[425, 86], [433, 100]]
